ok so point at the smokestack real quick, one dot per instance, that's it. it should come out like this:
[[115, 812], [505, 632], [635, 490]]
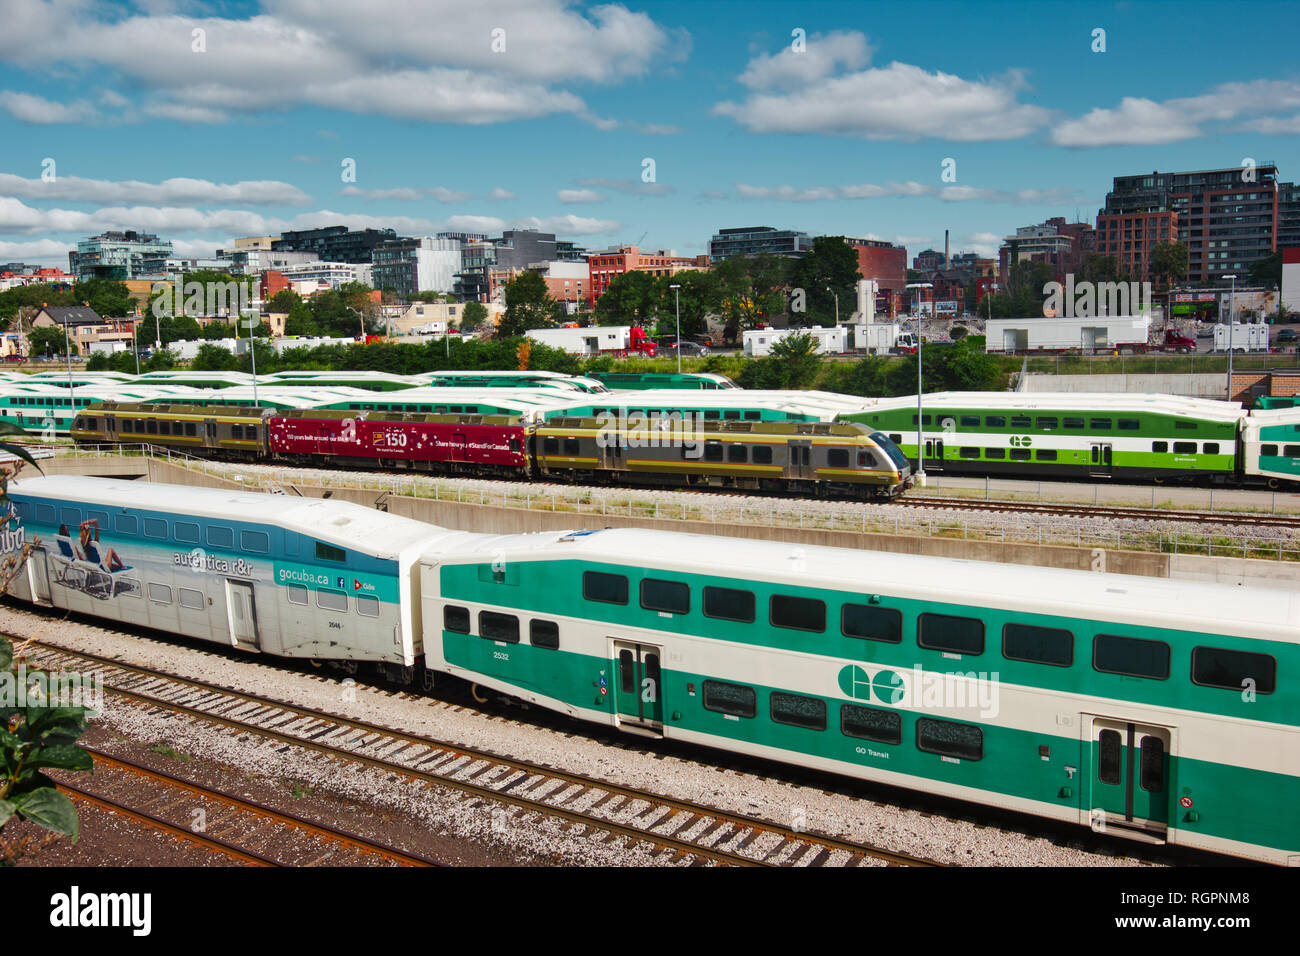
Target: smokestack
[[947, 262]]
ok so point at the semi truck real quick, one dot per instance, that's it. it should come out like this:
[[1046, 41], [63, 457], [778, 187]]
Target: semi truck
[[1103, 333], [615, 340], [883, 338], [832, 341]]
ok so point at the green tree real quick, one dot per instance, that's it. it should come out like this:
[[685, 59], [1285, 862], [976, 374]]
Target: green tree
[[48, 340], [700, 295], [108, 297], [332, 315], [830, 268], [1267, 271], [630, 299], [213, 358], [283, 301], [473, 316], [300, 320], [528, 306], [1169, 262], [753, 290], [797, 352]]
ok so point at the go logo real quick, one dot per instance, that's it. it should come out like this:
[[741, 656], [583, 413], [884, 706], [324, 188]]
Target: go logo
[[1020, 441], [886, 686]]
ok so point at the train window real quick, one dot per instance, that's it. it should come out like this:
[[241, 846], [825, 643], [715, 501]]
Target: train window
[[734, 699], [1130, 656], [895, 438], [950, 739], [236, 432], [1184, 448], [125, 524], [331, 600], [220, 537], [1072, 423], [191, 430], [1109, 752], [296, 593], [1151, 770], [70, 516], [1210, 447], [711, 414], [866, 460], [871, 623], [550, 446], [1160, 447], [800, 614], [1129, 424], [129, 587], [186, 531], [713, 451], [258, 541], [1291, 451], [327, 552], [729, 604], [515, 444], [671, 596], [1100, 424], [798, 711], [160, 594], [1234, 670], [995, 453], [544, 634], [752, 416], [153, 426], [970, 421], [995, 421], [763, 455], [191, 598], [737, 453], [925, 419], [164, 428], [837, 458], [1020, 421], [1049, 422], [1269, 450], [968, 452], [946, 632], [1190, 426], [871, 723], [1038, 645], [1045, 454], [605, 588], [367, 606], [1020, 454], [155, 528], [455, 619], [572, 447], [731, 415]]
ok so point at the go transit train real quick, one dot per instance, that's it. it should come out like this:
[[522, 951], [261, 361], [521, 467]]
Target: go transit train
[[1160, 710]]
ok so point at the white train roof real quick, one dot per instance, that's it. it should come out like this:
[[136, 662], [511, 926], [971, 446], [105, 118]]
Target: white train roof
[[1073, 401], [342, 523], [1121, 598]]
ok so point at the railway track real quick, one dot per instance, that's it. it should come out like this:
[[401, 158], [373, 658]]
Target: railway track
[[251, 832], [524, 789], [1104, 511]]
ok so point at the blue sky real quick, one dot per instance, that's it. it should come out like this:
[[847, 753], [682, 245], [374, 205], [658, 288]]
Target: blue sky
[[243, 128]]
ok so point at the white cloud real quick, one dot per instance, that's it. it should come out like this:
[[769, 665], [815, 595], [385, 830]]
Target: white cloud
[[983, 244], [822, 55], [41, 112], [821, 193], [898, 101], [379, 195], [1055, 196], [568, 225], [1275, 125], [500, 194], [579, 196], [443, 194], [178, 190], [1136, 122], [629, 187]]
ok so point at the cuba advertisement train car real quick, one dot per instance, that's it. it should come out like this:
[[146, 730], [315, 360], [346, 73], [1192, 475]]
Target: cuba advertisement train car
[[1153, 709], [291, 577]]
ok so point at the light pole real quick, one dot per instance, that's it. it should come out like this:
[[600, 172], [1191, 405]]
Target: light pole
[[837, 305], [920, 443], [251, 324], [1232, 302], [677, 299]]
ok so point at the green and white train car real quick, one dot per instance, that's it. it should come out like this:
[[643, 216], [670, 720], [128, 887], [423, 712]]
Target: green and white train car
[[1153, 709], [1066, 434], [1270, 445]]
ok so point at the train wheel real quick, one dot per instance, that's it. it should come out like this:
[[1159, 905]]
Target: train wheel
[[427, 679], [1274, 484], [473, 692]]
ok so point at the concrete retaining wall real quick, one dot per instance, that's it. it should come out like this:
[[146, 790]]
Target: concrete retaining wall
[[1191, 384]]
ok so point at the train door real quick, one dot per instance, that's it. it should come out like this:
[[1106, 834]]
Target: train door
[[1129, 776], [801, 466], [241, 614], [1099, 460], [459, 448], [38, 576], [638, 698], [934, 454], [210, 433]]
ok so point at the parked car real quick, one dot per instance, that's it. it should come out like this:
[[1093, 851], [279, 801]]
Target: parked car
[[1288, 335], [689, 349]]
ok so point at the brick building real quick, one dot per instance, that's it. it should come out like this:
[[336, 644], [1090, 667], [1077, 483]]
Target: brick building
[[1130, 236], [604, 266]]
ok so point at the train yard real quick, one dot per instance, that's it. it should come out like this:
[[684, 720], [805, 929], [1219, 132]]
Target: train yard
[[579, 798]]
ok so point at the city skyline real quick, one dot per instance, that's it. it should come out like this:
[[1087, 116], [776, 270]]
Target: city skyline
[[823, 118]]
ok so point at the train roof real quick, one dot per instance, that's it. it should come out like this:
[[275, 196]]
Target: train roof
[[1203, 408], [1268, 613], [341, 523]]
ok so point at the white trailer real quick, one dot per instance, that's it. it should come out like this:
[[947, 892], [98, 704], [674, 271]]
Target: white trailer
[[883, 338], [833, 341], [1102, 333], [594, 339], [1245, 337]]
